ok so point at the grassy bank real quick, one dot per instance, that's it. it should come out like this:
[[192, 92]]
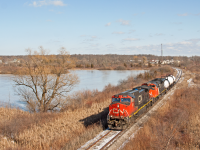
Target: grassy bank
[[82, 119], [176, 124]]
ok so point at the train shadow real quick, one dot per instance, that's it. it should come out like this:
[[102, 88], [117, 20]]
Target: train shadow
[[100, 118]]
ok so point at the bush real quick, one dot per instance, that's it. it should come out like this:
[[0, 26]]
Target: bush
[[131, 65], [125, 65], [92, 66], [120, 68]]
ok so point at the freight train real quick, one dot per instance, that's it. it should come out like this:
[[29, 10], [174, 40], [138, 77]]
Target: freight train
[[134, 102]]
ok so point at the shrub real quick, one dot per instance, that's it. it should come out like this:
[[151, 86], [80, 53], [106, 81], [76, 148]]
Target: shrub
[[120, 68], [131, 65], [125, 65]]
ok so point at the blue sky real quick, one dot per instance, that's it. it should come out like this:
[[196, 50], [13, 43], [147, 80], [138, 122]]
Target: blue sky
[[101, 26]]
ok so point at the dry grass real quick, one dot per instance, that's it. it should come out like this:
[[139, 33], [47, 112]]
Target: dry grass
[[175, 126], [194, 69], [76, 123], [51, 133], [156, 72]]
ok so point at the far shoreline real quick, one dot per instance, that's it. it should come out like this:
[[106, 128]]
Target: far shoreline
[[8, 73]]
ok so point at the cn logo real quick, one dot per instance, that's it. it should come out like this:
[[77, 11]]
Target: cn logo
[[116, 111]]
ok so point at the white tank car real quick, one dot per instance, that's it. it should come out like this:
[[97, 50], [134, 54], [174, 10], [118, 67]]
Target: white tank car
[[170, 79], [174, 78], [166, 83]]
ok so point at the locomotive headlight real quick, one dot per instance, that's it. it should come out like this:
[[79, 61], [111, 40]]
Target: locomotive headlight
[[118, 105]]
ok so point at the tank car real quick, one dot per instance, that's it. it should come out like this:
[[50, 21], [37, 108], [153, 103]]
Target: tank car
[[126, 105], [171, 80]]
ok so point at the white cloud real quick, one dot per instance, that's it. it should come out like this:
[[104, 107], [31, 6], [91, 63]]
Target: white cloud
[[177, 22], [197, 14], [49, 20], [171, 47], [94, 45], [185, 43], [90, 38], [131, 39], [47, 2], [183, 48], [58, 3], [194, 40], [110, 46], [124, 22], [57, 12], [108, 24], [190, 14], [185, 14], [94, 37], [118, 32], [34, 4], [159, 34]]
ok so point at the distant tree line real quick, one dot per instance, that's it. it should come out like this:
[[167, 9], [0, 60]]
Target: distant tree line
[[11, 64]]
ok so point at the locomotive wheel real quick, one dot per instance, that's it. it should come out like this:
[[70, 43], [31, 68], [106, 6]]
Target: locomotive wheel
[[151, 103], [153, 100]]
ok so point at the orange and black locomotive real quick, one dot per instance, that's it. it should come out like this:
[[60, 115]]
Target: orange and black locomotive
[[133, 102]]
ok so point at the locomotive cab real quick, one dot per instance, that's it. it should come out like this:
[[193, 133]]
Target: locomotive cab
[[121, 106], [120, 109], [125, 105]]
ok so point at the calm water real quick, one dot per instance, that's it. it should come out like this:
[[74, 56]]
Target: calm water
[[89, 79]]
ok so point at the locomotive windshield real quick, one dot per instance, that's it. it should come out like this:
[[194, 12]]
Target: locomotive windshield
[[125, 100], [115, 99]]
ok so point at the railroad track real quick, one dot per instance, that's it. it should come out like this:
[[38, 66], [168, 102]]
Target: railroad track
[[106, 138], [101, 140]]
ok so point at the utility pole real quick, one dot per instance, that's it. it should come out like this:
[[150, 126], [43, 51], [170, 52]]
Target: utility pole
[[161, 53]]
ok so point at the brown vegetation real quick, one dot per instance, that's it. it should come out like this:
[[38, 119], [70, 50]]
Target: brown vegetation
[[82, 119], [155, 72], [175, 125], [14, 64]]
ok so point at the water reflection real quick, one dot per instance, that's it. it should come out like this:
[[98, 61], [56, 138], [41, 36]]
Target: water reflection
[[89, 79]]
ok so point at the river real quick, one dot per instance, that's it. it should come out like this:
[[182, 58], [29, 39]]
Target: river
[[89, 79]]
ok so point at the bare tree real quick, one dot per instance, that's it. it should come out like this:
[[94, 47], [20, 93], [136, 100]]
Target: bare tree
[[135, 58], [144, 60], [47, 80]]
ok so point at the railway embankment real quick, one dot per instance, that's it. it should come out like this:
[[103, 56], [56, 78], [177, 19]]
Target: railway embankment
[[113, 139], [176, 124], [70, 128]]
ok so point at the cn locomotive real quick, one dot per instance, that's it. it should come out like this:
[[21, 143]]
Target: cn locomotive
[[134, 102]]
